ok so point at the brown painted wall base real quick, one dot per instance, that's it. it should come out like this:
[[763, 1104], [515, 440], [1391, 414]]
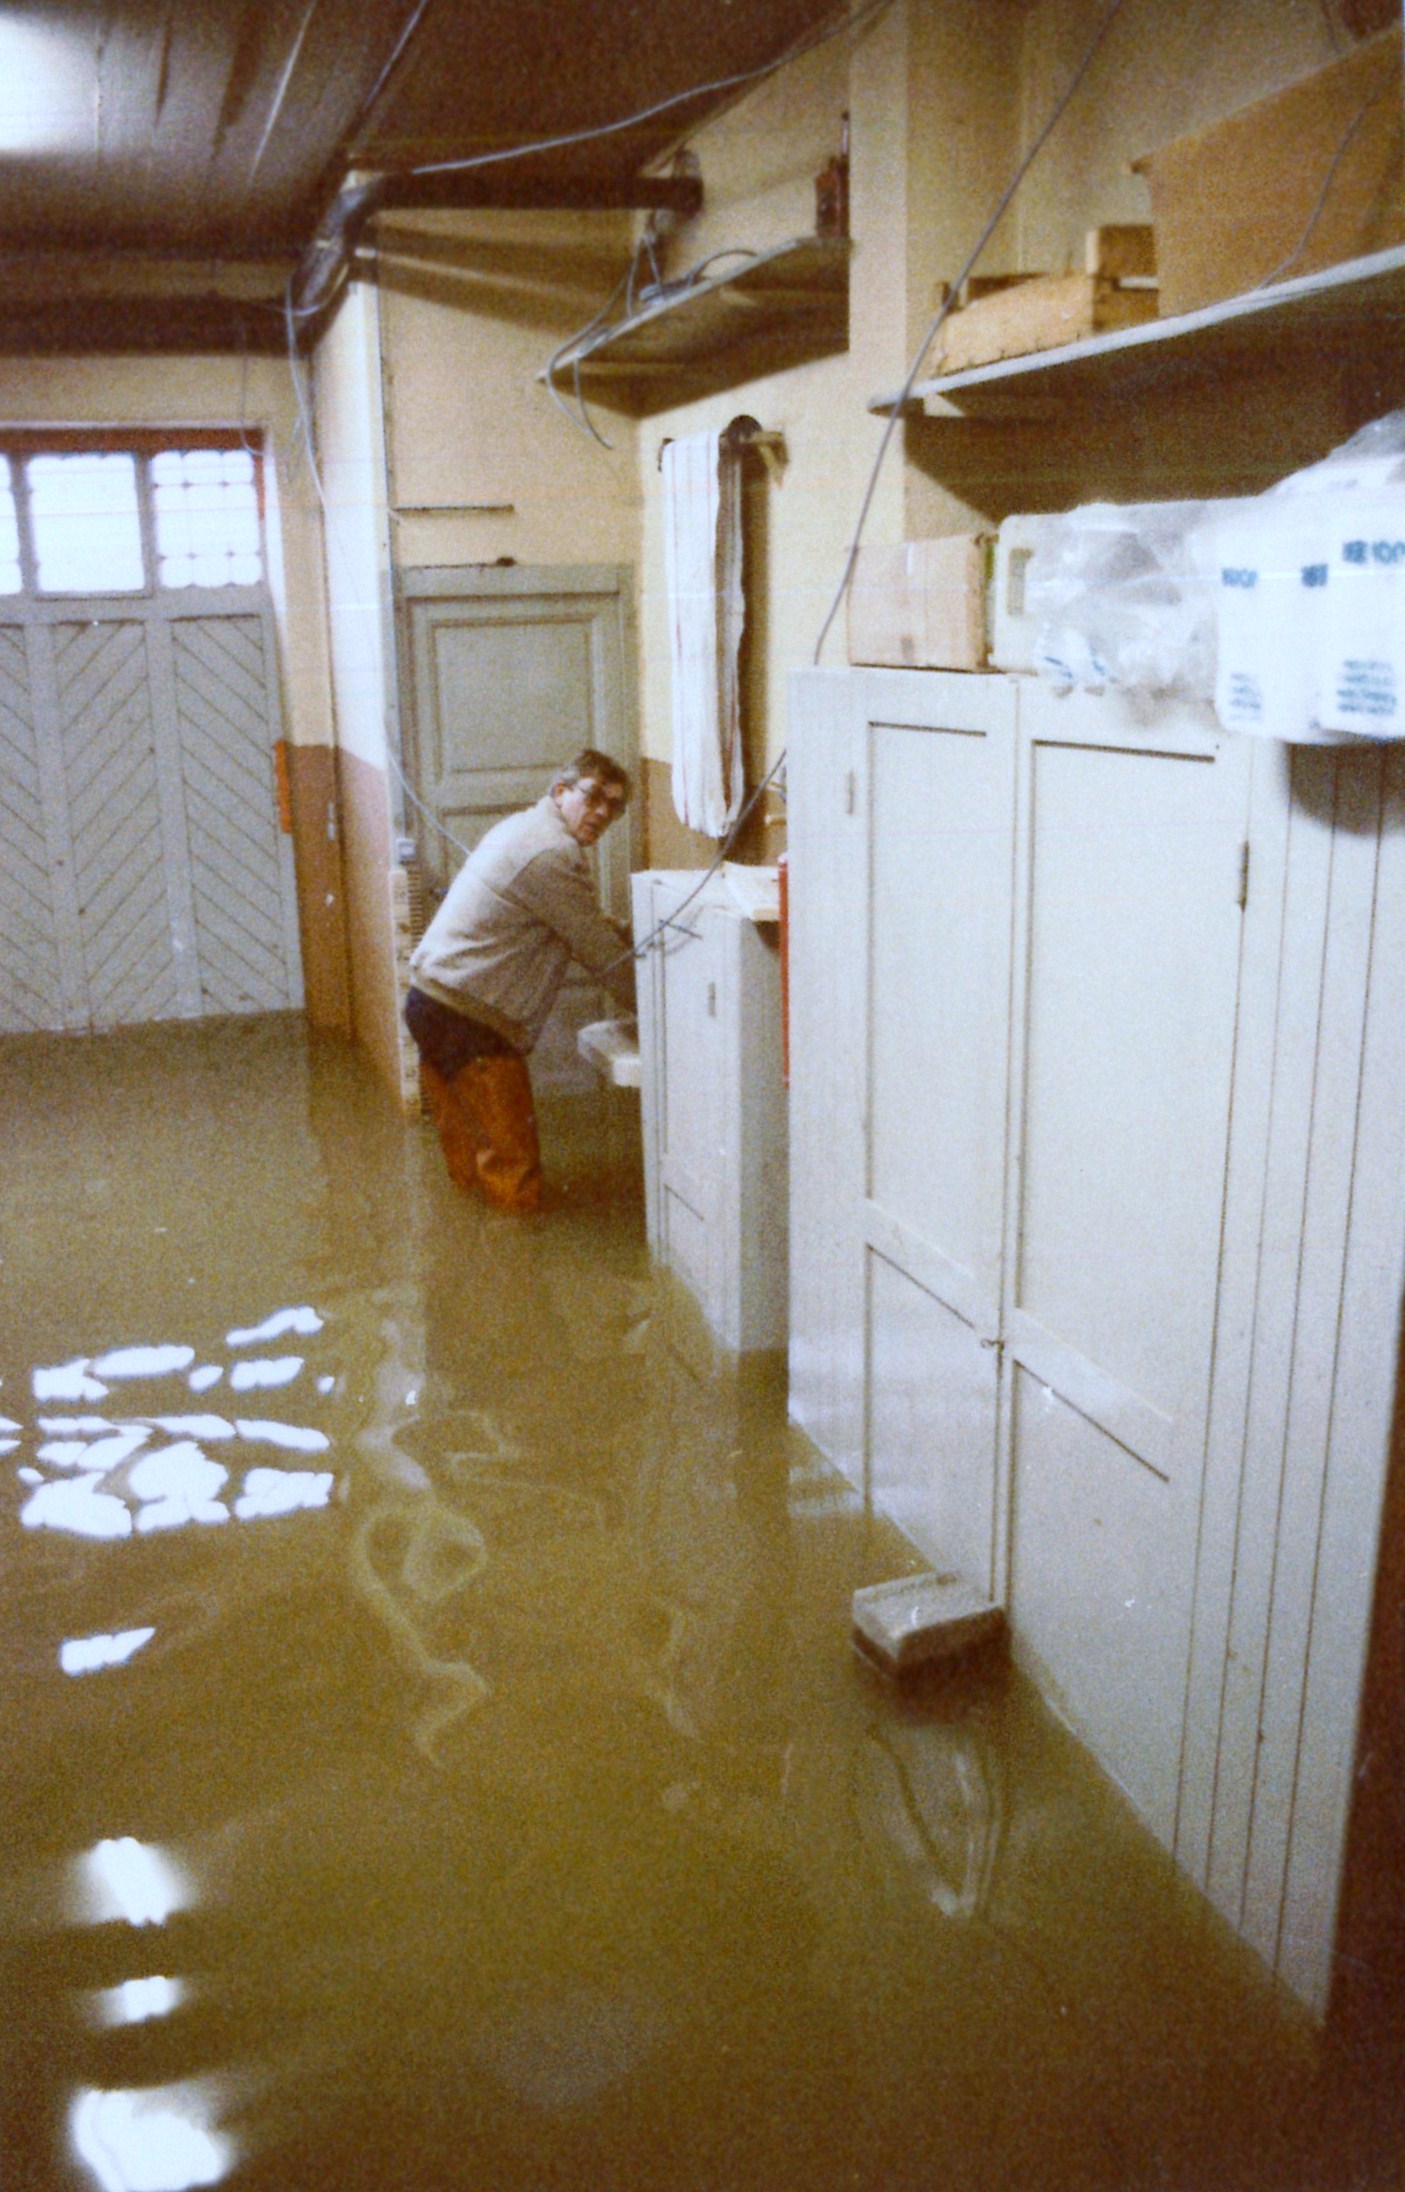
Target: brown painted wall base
[[364, 806], [312, 788]]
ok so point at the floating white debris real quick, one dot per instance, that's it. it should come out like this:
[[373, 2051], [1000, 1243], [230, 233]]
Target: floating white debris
[[202, 1379]]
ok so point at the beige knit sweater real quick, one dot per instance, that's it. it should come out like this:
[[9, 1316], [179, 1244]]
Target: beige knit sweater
[[520, 909]]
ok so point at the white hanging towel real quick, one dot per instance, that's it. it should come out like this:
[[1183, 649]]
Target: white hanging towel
[[702, 507]]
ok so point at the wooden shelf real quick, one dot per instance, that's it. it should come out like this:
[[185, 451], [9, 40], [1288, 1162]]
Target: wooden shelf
[[1349, 314], [780, 308]]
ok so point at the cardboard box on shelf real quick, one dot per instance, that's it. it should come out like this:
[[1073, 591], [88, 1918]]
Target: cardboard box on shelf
[[1296, 182], [921, 606], [1041, 314]]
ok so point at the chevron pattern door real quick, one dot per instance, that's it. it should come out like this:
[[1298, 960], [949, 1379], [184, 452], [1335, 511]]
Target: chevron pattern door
[[245, 914], [31, 994], [144, 873]]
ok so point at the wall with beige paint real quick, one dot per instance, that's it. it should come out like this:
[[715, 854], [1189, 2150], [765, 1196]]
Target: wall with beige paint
[[943, 95], [481, 463]]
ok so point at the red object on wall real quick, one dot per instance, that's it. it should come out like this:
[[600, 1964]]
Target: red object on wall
[[783, 884]]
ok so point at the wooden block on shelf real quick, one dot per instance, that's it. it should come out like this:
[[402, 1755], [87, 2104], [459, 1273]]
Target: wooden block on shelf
[[1125, 250], [1042, 314]]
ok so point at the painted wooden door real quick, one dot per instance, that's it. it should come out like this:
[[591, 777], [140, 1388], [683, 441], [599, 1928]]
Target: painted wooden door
[[512, 670], [1127, 994], [827, 852], [939, 781], [145, 875]]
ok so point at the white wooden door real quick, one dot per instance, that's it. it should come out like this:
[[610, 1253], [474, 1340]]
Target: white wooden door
[[827, 850], [1130, 926], [145, 875], [512, 671], [940, 809]]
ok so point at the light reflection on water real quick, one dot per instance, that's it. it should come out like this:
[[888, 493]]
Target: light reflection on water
[[504, 1787], [122, 1878], [157, 2139]]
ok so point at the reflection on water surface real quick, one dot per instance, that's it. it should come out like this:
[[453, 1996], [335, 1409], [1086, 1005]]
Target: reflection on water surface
[[470, 1782]]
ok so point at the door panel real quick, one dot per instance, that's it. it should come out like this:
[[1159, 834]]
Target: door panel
[[1131, 962], [31, 987], [932, 1415], [941, 816], [1096, 1593], [1134, 923], [237, 856], [108, 743]]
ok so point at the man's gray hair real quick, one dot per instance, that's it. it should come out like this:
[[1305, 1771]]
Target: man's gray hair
[[590, 762]]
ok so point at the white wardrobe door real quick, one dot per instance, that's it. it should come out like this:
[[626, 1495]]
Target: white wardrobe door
[[1131, 930], [941, 855], [825, 838]]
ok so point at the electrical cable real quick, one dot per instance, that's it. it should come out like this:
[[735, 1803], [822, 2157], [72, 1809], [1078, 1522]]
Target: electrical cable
[[585, 340], [1002, 204], [939, 318], [736, 82], [729, 83], [1348, 139]]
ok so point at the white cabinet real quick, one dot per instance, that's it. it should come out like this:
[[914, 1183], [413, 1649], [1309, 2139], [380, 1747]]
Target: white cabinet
[[713, 1102], [1097, 1220]]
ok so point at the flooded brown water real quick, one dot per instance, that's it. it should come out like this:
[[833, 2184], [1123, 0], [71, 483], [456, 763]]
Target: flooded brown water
[[434, 1753]]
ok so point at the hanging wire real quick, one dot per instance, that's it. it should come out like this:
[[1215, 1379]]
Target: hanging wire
[[1348, 139], [939, 318], [845, 23]]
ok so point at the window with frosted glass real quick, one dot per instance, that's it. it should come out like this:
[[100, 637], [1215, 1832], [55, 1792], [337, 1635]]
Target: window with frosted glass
[[207, 517], [86, 524], [11, 581]]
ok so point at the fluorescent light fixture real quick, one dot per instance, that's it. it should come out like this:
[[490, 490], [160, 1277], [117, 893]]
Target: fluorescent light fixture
[[48, 86]]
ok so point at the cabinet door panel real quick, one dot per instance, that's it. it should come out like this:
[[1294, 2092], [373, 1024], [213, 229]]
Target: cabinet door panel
[[825, 836], [1131, 964], [932, 1401], [941, 865]]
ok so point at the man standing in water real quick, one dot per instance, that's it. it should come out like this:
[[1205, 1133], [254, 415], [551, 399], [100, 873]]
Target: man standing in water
[[487, 971]]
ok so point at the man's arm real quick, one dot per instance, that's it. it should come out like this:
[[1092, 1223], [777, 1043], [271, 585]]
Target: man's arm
[[564, 899]]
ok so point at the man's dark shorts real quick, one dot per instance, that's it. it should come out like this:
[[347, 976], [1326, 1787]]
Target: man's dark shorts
[[447, 1039]]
